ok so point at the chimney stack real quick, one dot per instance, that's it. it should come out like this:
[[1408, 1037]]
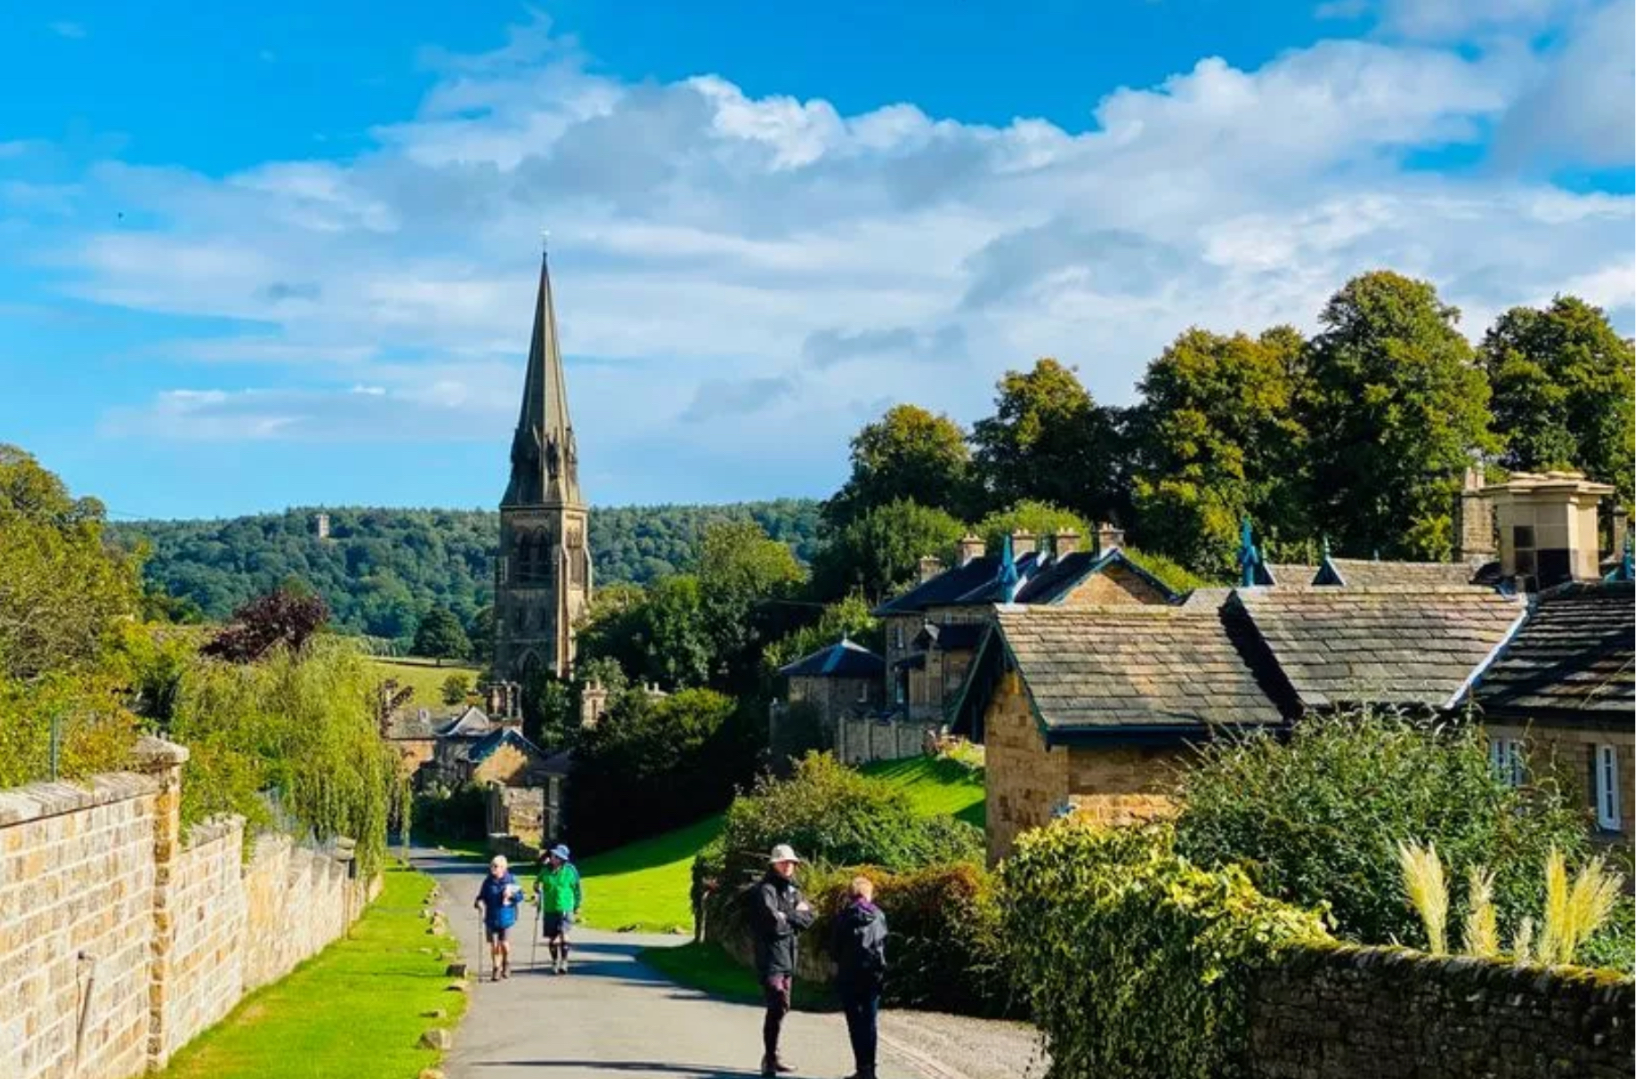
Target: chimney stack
[[969, 548], [929, 567], [1067, 541], [1022, 542], [1110, 537], [1548, 527], [1474, 519]]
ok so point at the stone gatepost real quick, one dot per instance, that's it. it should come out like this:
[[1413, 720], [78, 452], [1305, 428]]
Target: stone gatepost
[[163, 761]]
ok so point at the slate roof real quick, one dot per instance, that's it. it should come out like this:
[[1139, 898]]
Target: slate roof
[[1288, 574], [471, 723], [844, 659], [1210, 597], [955, 586], [1368, 573], [1573, 654], [1060, 577], [1406, 646], [1118, 667], [413, 723], [484, 747]]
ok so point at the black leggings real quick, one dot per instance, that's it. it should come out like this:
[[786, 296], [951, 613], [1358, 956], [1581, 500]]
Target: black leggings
[[776, 995]]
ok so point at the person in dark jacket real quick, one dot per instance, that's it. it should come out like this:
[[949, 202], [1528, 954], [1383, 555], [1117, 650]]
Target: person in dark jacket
[[778, 914], [858, 941]]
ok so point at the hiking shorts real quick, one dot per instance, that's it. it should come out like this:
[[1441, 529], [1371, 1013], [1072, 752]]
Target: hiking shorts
[[497, 934], [556, 924]]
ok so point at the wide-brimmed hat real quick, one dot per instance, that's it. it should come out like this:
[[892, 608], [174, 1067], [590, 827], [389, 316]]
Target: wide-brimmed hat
[[559, 851], [784, 852]]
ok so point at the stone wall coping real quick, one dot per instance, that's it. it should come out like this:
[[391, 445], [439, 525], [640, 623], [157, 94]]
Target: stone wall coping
[[1473, 971], [37, 801], [212, 829], [152, 752]]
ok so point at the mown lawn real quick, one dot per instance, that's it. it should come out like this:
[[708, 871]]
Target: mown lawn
[[427, 678], [645, 884], [935, 785], [353, 1010]]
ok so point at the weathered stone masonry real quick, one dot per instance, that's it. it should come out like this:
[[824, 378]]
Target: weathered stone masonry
[[1377, 1013], [109, 913]]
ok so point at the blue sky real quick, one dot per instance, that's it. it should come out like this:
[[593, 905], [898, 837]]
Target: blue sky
[[253, 257]]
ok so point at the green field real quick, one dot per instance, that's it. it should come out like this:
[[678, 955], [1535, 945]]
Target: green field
[[645, 884], [352, 1010], [422, 674]]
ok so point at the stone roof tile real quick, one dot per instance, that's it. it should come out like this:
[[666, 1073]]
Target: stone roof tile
[[1573, 653]]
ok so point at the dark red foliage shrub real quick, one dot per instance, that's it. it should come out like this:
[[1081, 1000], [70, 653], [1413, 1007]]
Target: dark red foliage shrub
[[278, 618]]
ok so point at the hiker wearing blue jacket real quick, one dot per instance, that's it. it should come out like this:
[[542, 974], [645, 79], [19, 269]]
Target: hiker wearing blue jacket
[[498, 899]]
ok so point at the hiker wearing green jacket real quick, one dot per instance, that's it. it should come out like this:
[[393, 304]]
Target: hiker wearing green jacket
[[557, 890]]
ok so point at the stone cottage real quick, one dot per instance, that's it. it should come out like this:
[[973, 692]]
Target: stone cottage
[[824, 690]]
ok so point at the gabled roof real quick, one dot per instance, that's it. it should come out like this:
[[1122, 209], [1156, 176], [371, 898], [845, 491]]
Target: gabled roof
[[484, 747], [957, 585], [844, 659], [1407, 646], [1369, 573], [1065, 574], [412, 723], [1130, 668], [1572, 654], [471, 723]]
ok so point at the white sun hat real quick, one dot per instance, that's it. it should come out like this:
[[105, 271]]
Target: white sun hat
[[783, 853]]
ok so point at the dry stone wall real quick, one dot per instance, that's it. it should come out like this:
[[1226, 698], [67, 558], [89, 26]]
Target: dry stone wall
[[121, 939], [1375, 1013]]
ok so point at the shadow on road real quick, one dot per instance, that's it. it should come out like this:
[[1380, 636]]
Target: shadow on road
[[703, 1070]]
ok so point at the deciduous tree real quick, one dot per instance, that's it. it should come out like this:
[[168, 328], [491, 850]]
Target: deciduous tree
[[1562, 386], [908, 453], [1394, 407], [440, 636], [878, 553]]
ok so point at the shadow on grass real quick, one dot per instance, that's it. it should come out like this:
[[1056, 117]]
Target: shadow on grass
[[710, 970]]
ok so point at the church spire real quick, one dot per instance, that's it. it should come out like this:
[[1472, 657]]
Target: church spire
[[545, 459]]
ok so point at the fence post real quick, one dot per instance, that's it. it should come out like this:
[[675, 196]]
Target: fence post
[[163, 761]]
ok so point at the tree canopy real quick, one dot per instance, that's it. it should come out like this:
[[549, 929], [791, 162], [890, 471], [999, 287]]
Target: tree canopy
[[909, 453], [440, 636]]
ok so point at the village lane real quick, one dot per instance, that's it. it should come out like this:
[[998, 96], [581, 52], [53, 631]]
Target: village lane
[[614, 1016]]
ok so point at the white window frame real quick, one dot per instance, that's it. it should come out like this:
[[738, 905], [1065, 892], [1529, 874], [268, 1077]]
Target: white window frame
[[1607, 788]]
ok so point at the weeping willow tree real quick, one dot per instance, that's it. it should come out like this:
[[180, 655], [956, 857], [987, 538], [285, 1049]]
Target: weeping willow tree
[[289, 742]]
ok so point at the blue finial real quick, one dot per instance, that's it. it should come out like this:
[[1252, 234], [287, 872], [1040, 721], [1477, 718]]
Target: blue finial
[[1008, 570], [1249, 558], [1375, 555]]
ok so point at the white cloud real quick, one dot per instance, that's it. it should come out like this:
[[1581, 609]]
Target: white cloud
[[71, 30], [1582, 106], [778, 268]]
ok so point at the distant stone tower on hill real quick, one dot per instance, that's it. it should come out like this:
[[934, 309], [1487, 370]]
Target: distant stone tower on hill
[[543, 573]]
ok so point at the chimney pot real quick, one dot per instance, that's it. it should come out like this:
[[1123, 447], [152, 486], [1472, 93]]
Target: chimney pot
[[929, 567], [1110, 537], [1022, 542], [969, 548], [1067, 541]]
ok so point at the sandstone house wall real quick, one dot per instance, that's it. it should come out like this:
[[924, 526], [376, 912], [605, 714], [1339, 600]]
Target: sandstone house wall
[[1374, 1013], [121, 939]]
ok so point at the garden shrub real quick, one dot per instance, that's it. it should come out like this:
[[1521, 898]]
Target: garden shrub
[[460, 812], [944, 945], [1135, 962], [1318, 818], [836, 816]]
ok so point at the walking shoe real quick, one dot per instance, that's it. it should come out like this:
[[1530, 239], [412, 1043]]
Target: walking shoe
[[772, 1066], [562, 965]]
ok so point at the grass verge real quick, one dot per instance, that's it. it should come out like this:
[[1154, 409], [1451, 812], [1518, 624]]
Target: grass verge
[[352, 1010], [709, 969], [935, 785]]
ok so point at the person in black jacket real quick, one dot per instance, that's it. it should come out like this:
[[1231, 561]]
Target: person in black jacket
[[778, 915], [858, 941]]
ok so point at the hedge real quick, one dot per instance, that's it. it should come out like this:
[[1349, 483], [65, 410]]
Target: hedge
[[1135, 961]]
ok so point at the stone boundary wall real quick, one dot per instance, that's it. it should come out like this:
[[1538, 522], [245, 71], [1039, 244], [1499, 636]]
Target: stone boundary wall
[[860, 741], [1382, 1013], [121, 940]]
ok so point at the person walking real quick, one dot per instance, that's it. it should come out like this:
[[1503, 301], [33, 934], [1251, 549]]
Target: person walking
[[858, 941], [498, 898], [778, 913], [557, 890]]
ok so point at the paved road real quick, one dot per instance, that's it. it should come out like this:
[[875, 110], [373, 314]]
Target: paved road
[[613, 1016]]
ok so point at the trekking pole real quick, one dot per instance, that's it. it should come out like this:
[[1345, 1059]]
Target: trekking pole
[[534, 948], [482, 939]]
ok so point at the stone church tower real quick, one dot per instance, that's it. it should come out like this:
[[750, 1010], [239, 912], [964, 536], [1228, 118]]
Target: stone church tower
[[543, 573]]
